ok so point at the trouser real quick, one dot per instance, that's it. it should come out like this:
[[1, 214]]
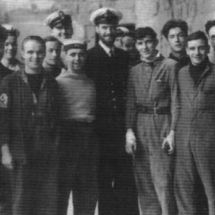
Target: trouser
[[13, 199], [117, 193], [78, 168], [195, 165], [42, 185], [153, 168]]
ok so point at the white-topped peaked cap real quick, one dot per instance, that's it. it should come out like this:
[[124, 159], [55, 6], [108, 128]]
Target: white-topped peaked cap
[[60, 16], [106, 16], [74, 43], [123, 29], [10, 30]]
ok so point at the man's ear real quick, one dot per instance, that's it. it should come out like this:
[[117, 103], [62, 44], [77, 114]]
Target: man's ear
[[187, 50], [22, 53], [208, 49], [97, 29], [156, 42]]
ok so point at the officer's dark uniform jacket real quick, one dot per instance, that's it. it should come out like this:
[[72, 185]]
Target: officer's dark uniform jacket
[[110, 76], [28, 122]]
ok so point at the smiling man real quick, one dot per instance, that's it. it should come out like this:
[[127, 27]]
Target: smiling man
[[28, 103], [3, 37], [78, 147], [60, 24], [107, 66], [151, 118], [195, 153], [10, 49]]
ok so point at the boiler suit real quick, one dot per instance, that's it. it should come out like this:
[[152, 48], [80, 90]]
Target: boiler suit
[[30, 132], [152, 111], [195, 153]]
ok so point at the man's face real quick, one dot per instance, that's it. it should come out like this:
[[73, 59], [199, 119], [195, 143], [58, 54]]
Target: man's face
[[10, 47], [177, 39], [128, 45], [62, 32], [107, 33], [146, 47], [53, 51], [118, 42], [33, 54], [197, 51], [76, 58], [211, 36]]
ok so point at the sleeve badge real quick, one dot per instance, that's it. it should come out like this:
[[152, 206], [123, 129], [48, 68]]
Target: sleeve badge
[[3, 100]]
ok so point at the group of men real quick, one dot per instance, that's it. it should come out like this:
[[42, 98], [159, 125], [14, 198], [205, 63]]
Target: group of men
[[169, 119], [68, 116]]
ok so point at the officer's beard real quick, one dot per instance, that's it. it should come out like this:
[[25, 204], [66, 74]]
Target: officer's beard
[[108, 43]]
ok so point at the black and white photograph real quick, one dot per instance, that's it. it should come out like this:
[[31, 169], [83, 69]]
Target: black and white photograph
[[107, 107]]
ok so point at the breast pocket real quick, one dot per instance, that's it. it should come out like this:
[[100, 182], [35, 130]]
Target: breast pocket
[[207, 99], [159, 89]]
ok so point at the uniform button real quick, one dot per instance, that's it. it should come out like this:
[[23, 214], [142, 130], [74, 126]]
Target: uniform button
[[112, 91], [114, 99], [32, 113], [114, 107]]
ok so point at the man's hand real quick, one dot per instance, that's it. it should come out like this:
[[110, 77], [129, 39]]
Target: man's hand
[[169, 143], [7, 160], [130, 146]]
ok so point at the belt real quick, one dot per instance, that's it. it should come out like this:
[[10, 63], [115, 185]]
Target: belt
[[153, 110]]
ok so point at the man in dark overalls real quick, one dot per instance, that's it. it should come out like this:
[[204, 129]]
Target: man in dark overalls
[[195, 153], [28, 101]]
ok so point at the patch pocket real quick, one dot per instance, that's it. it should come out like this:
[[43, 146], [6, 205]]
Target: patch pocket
[[159, 89], [209, 92]]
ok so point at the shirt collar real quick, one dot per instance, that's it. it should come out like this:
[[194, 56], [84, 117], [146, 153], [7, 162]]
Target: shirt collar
[[157, 56], [106, 48], [5, 62], [184, 60], [13, 65]]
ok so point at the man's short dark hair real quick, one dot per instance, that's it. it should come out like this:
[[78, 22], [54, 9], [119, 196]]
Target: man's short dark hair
[[198, 35], [174, 23], [209, 25], [51, 39], [141, 33], [33, 38], [3, 33], [130, 34]]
